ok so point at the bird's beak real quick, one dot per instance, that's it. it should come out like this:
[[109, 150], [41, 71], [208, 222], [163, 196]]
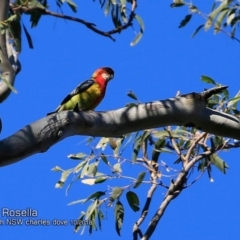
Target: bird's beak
[[111, 77]]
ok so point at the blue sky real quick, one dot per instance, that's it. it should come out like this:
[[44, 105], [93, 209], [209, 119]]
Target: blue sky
[[165, 61]]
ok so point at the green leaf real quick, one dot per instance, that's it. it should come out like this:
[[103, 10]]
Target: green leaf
[[178, 134], [100, 217], [172, 5], [133, 201], [117, 168], [214, 14], [8, 84], [118, 147], [123, 2], [3, 28], [219, 20], [187, 144], [216, 141], [116, 193], [114, 17], [72, 5], [165, 150], [178, 1], [93, 219], [36, 15], [115, 144], [102, 143], [185, 21], [100, 179], [34, 19], [137, 144], [78, 226], [234, 21], [230, 16], [160, 143], [29, 39], [234, 101], [136, 149], [35, 4], [77, 156], [104, 158], [84, 167], [77, 201], [119, 215], [207, 79], [213, 6], [63, 178], [219, 163], [92, 169], [197, 30], [91, 209], [140, 178], [57, 169], [141, 23], [80, 166], [11, 18], [136, 39], [123, 12], [132, 95], [106, 11], [95, 195]]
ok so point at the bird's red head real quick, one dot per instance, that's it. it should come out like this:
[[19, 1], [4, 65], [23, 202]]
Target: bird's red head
[[105, 73]]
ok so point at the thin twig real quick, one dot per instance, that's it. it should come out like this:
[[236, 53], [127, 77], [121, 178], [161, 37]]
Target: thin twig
[[173, 191], [174, 144], [89, 25], [195, 142], [206, 17], [145, 208]]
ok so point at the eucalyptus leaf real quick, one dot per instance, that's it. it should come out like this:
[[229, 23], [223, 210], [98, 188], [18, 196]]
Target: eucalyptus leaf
[[78, 156], [95, 195], [8, 84], [140, 178], [133, 200], [119, 215], [207, 79], [185, 21], [100, 179], [136, 39], [197, 30]]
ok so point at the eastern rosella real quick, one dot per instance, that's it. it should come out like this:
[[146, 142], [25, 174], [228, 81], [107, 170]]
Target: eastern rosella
[[87, 95]]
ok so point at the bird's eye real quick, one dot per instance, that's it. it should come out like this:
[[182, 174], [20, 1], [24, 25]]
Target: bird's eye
[[107, 76]]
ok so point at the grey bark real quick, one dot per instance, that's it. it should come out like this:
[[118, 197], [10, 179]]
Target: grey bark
[[182, 110]]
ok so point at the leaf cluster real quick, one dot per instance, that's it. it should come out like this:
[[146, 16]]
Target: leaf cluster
[[223, 17], [176, 147]]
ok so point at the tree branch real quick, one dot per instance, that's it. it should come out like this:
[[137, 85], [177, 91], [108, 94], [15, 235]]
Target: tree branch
[[136, 229], [182, 110], [6, 69], [174, 190], [89, 25], [175, 187]]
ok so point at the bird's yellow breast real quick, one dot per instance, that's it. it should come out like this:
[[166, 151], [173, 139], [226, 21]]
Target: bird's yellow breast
[[88, 99]]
